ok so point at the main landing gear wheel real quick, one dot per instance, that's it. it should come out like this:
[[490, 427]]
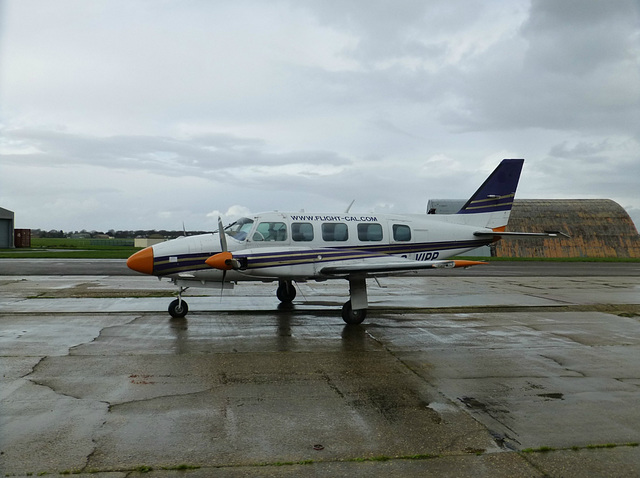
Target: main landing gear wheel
[[353, 317], [286, 291], [178, 309]]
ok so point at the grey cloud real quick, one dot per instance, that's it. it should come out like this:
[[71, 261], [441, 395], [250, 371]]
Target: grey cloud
[[202, 154], [577, 36], [347, 88], [384, 124], [559, 76], [603, 168], [560, 70], [582, 150], [391, 30]]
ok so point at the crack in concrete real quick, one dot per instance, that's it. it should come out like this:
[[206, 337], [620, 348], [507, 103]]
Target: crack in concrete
[[563, 366], [100, 332], [503, 441], [114, 405], [35, 365], [475, 406], [434, 391], [94, 450], [44, 384]]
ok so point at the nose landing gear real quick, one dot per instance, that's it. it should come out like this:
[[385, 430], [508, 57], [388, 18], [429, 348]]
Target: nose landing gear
[[179, 308], [286, 291]]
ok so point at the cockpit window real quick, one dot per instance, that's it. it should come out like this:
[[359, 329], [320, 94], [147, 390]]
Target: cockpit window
[[239, 229], [270, 231]]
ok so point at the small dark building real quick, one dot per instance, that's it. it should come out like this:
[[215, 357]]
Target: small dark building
[[22, 238]]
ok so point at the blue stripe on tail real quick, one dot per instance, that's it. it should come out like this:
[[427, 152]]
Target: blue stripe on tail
[[498, 191]]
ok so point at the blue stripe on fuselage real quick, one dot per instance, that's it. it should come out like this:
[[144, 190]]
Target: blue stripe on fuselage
[[173, 264]]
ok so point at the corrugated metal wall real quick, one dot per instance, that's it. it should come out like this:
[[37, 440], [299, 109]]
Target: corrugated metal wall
[[6, 228], [598, 228], [22, 238]]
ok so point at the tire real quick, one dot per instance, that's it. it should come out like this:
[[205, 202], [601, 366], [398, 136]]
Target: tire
[[286, 292], [353, 317], [177, 310]]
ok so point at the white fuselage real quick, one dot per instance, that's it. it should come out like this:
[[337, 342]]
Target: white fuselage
[[296, 246]]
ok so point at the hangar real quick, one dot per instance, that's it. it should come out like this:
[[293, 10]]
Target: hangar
[[598, 228], [6, 228]]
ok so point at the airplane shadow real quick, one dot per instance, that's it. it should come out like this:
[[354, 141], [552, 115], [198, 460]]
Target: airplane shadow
[[354, 337]]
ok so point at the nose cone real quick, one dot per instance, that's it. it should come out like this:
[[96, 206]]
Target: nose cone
[[142, 261], [221, 261]]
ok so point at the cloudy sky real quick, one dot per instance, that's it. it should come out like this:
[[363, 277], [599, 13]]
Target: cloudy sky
[[146, 114]]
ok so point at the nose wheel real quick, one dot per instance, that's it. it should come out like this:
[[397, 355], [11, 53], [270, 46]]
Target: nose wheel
[[179, 308]]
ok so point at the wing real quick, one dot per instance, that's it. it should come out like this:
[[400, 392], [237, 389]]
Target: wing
[[393, 265], [520, 234]]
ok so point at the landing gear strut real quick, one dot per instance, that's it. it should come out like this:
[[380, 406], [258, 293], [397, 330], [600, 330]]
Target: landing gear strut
[[179, 308], [286, 291]]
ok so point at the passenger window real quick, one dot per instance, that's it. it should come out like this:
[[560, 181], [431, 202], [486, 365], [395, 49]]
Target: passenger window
[[270, 231], [370, 232], [401, 232], [302, 231], [335, 231]]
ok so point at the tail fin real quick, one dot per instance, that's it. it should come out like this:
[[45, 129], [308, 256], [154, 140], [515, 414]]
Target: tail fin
[[493, 200]]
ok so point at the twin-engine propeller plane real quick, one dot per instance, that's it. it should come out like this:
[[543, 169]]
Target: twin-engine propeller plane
[[298, 247]]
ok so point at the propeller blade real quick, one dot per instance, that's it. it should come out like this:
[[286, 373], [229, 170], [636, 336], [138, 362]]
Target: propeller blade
[[223, 237], [224, 259], [224, 274]]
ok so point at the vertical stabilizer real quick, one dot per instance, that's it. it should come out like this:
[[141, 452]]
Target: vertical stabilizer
[[493, 200]]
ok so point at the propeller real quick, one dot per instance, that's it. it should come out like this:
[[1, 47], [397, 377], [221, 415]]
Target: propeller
[[224, 260]]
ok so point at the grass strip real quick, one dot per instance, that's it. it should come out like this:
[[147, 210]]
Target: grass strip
[[547, 449]]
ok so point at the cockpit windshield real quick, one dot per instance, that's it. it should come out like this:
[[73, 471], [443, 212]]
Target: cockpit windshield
[[239, 229]]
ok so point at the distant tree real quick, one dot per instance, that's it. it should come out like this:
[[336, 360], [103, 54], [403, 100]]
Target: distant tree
[[54, 233]]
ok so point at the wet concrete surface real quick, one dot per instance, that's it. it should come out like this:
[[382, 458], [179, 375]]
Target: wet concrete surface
[[448, 376], [118, 267]]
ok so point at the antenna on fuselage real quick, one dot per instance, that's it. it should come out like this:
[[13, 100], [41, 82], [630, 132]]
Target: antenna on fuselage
[[349, 207]]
